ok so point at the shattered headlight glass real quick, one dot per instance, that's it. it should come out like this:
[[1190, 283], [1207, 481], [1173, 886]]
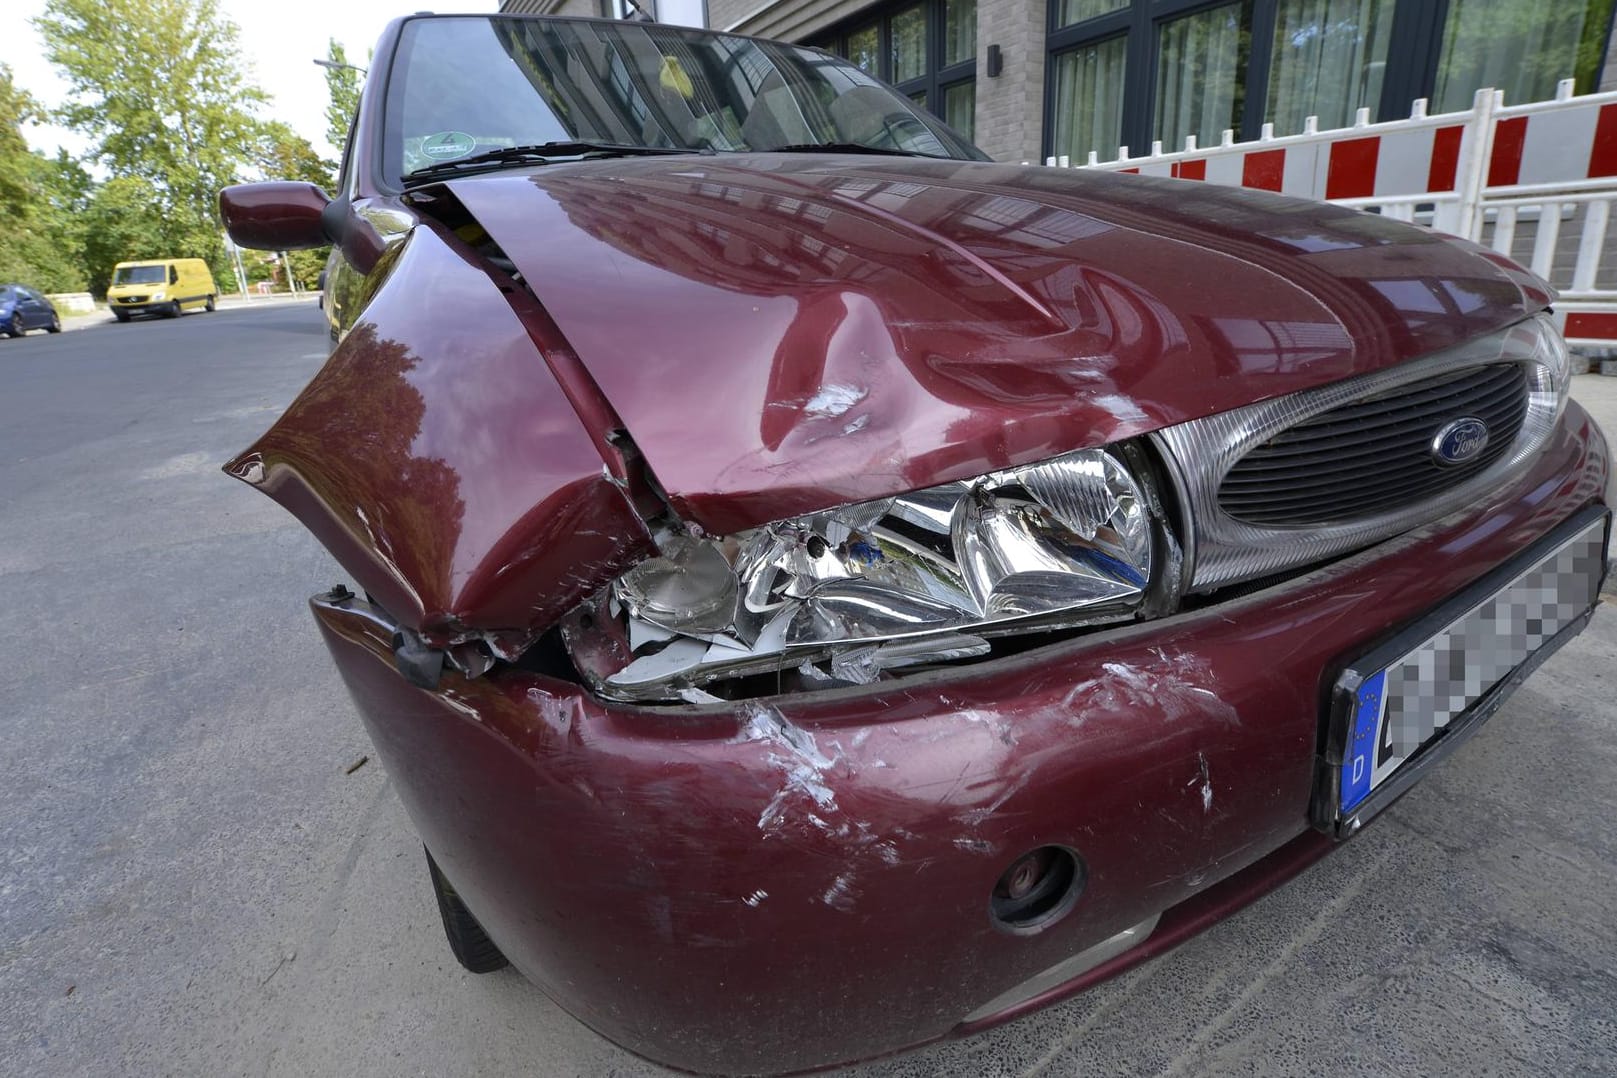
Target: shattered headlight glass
[[918, 579]]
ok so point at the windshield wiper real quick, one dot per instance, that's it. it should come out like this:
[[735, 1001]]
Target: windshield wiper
[[541, 153], [850, 147]]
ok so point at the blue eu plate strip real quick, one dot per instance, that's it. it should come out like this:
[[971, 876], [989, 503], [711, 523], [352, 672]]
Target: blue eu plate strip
[[1359, 758]]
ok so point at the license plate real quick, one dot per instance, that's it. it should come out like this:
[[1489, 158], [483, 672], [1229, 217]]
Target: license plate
[[1405, 704]]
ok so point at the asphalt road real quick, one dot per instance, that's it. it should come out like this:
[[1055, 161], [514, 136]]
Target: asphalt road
[[191, 882]]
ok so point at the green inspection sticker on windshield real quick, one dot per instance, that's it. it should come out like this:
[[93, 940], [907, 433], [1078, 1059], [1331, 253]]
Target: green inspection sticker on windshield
[[447, 145]]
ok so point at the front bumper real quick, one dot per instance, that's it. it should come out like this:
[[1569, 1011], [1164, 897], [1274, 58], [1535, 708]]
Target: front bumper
[[143, 305], [720, 899]]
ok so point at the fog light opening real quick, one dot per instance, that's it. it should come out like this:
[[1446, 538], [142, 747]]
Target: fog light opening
[[1036, 890]]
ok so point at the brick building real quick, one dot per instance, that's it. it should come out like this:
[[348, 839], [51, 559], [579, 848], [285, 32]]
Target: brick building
[[1029, 78]]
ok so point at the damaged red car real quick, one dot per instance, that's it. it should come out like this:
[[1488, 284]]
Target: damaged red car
[[819, 591]]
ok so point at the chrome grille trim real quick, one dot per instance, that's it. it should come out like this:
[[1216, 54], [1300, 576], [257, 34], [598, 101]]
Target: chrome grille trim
[[1200, 454], [1375, 453]]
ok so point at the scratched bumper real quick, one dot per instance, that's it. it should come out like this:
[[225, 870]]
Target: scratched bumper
[[720, 898]]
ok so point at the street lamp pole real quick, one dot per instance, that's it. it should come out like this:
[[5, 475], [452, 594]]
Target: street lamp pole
[[335, 66]]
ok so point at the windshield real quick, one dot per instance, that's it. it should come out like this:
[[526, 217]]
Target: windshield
[[138, 275], [465, 86]]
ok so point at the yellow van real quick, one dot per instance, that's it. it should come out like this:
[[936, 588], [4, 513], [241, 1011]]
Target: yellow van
[[163, 286]]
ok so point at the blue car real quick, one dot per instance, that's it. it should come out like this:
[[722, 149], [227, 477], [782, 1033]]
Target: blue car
[[23, 309]]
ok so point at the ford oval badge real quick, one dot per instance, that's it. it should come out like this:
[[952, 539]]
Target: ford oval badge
[[1460, 442]]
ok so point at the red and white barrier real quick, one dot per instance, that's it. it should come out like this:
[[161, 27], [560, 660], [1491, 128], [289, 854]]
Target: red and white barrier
[[1477, 173]]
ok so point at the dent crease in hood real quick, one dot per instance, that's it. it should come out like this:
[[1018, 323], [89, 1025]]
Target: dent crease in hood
[[782, 333]]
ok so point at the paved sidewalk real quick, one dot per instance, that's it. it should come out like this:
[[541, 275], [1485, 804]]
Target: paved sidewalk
[[102, 315]]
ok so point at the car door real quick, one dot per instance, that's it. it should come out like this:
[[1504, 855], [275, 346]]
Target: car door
[[31, 308]]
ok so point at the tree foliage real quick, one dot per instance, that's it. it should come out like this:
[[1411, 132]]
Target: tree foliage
[[283, 154], [17, 107], [160, 88], [342, 87], [286, 155], [39, 202], [125, 222]]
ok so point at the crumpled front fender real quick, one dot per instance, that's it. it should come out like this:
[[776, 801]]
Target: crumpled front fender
[[440, 462]]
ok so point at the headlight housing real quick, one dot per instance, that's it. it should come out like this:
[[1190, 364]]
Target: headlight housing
[[159, 295], [920, 578]]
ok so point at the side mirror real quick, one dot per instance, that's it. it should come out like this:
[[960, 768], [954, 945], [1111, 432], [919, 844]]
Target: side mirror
[[281, 216]]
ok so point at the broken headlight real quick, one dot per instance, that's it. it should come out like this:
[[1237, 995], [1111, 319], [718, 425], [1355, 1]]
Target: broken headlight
[[922, 578]]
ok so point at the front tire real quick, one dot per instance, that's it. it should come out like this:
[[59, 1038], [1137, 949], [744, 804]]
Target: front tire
[[173, 310], [16, 328], [470, 944], [122, 316]]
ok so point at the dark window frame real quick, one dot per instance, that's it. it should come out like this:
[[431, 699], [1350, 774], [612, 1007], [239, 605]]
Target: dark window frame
[[937, 79]]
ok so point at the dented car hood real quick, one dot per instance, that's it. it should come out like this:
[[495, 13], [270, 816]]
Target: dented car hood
[[781, 333]]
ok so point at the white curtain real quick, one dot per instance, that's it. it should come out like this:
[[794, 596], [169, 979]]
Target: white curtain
[[1328, 61], [1198, 76], [1521, 47], [1089, 100]]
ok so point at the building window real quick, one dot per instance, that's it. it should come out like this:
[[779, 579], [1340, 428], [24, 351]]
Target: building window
[[1521, 48], [928, 50], [1329, 60], [863, 48], [959, 31], [1201, 69], [1089, 99], [909, 45], [1130, 72], [960, 107], [1076, 11]]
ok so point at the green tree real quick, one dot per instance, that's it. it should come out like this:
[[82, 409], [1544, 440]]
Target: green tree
[[286, 155], [124, 222], [283, 154], [342, 86], [39, 200], [160, 87], [17, 107]]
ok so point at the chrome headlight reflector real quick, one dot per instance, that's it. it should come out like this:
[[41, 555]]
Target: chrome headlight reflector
[[917, 579]]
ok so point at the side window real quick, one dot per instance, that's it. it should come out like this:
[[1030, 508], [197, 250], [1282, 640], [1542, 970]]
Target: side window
[[173, 275]]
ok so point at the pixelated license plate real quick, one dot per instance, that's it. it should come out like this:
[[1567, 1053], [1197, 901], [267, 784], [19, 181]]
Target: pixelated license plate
[[1417, 696]]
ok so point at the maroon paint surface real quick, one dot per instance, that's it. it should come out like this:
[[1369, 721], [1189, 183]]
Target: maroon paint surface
[[984, 315], [281, 215], [463, 470], [445, 469], [618, 855]]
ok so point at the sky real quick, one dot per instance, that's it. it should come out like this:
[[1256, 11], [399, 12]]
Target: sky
[[279, 41]]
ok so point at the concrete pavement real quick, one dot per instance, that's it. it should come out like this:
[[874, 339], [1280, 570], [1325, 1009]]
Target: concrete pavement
[[191, 882], [102, 315]]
